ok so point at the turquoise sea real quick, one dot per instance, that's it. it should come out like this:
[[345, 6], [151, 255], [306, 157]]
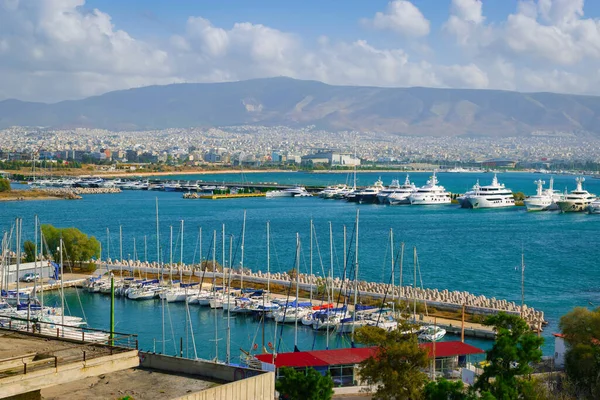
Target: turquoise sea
[[474, 250]]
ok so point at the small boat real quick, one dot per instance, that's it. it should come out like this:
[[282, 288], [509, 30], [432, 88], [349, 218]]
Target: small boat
[[432, 333], [594, 207]]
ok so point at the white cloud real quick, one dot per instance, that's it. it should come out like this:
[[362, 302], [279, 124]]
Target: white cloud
[[57, 49], [401, 16]]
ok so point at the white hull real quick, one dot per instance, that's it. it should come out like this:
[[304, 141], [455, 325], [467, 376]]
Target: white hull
[[573, 206], [429, 201], [493, 202], [540, 204]]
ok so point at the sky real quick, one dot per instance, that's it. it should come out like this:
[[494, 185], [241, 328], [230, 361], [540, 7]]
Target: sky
[[53, 50]]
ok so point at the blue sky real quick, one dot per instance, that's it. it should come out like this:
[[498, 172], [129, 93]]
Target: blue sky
[[52, 50]]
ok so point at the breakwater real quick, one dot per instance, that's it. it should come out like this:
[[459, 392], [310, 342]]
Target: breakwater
[[76, 192], [193, 195], [439, 299]]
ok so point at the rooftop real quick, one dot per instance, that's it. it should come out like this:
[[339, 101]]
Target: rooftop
[[321, 358]]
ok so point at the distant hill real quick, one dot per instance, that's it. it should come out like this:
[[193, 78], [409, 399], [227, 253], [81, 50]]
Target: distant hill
[[291, 102]]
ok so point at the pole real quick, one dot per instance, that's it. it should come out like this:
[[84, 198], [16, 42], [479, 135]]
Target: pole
[[355, 279], [242, 249], [522, 280], [311, 260], [331, 281], [145, 249], [181, 260], [269, 260], [162, 301], [345, 258], [121, 251], [228, 344], [18, 251], [223, 251], [415, 284], [215, 293], [297, 291], [42, 266], [171, 257], [35, 259], [401, 266], [393, 277], [62, 288], [433, 345], [112, 308], [462, 324]]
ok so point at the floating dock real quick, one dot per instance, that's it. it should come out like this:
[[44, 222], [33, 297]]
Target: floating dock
[[221, 196]]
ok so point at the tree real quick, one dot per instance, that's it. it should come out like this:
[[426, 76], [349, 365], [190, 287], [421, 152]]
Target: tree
[[308, 385], [77, 246], [29, 248], [4, 185], [515, 348], [445, 390], [396, 367], [581, 330]]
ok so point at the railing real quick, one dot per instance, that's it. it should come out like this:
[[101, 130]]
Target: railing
[[78, 344], [70, 332]]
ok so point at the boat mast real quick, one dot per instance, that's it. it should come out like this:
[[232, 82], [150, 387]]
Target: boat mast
[[345, 256], [297, 291], [242, 256], [35, 259], [393, 277], [42, 266], [171, 257], [311, 260], [355, 278], [18, 251], [415, 284], [62, 289], [181, 260], [121, 250], [401, 266], [328, 313], [268, 285], [214, 294], [522, 280], [145, 249], [162, 274], [228, 344], [223, 252]]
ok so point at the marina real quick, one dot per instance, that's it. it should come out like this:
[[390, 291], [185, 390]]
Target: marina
[[448, 259]]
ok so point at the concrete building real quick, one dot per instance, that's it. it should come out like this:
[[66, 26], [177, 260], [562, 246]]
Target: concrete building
[[331, 158], [44, 268]]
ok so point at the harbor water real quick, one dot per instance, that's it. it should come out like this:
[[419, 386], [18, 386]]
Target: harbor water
[[458, 249]]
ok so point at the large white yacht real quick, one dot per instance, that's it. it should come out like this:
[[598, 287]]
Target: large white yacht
[[402, 194], [330, 192], [369, 195], [431, 193], [382, 196], [490, 196], [578, 200], [544, 200], [298, 191]]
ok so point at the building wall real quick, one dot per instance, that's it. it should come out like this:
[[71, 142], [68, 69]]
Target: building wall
[[241, 383], [260, 387], [559, 352]]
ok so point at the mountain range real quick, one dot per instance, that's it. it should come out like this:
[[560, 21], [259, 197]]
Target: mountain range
[[416, 111]]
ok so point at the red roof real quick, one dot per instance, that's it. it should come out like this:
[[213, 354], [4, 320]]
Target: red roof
[[322, 358], [451, 349]]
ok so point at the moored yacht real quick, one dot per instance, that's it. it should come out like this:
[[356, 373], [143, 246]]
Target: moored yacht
[[577, 200], [594, 207], [298, 191], [369, 195], [331, 191], [543, 200], [383, 195], [431, 193], [490, 196], [402, 194]]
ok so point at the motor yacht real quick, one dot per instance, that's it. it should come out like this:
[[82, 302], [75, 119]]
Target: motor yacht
[[430, 194], [298, 191], [543, 200], [594, 207], [330, 192], [432, 333], [490, 196], [369, 195], [402, 194], [577, 200], [382, 196]]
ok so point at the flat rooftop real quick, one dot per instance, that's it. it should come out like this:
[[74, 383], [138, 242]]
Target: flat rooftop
[[138, 383]]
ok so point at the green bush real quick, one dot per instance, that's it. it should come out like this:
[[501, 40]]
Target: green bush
[[4, 185]]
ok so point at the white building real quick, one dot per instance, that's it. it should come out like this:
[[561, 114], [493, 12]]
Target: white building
[[332, 158], [44, 268]]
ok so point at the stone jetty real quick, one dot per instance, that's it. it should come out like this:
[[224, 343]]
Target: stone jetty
[[439, 299], [77, 192]]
